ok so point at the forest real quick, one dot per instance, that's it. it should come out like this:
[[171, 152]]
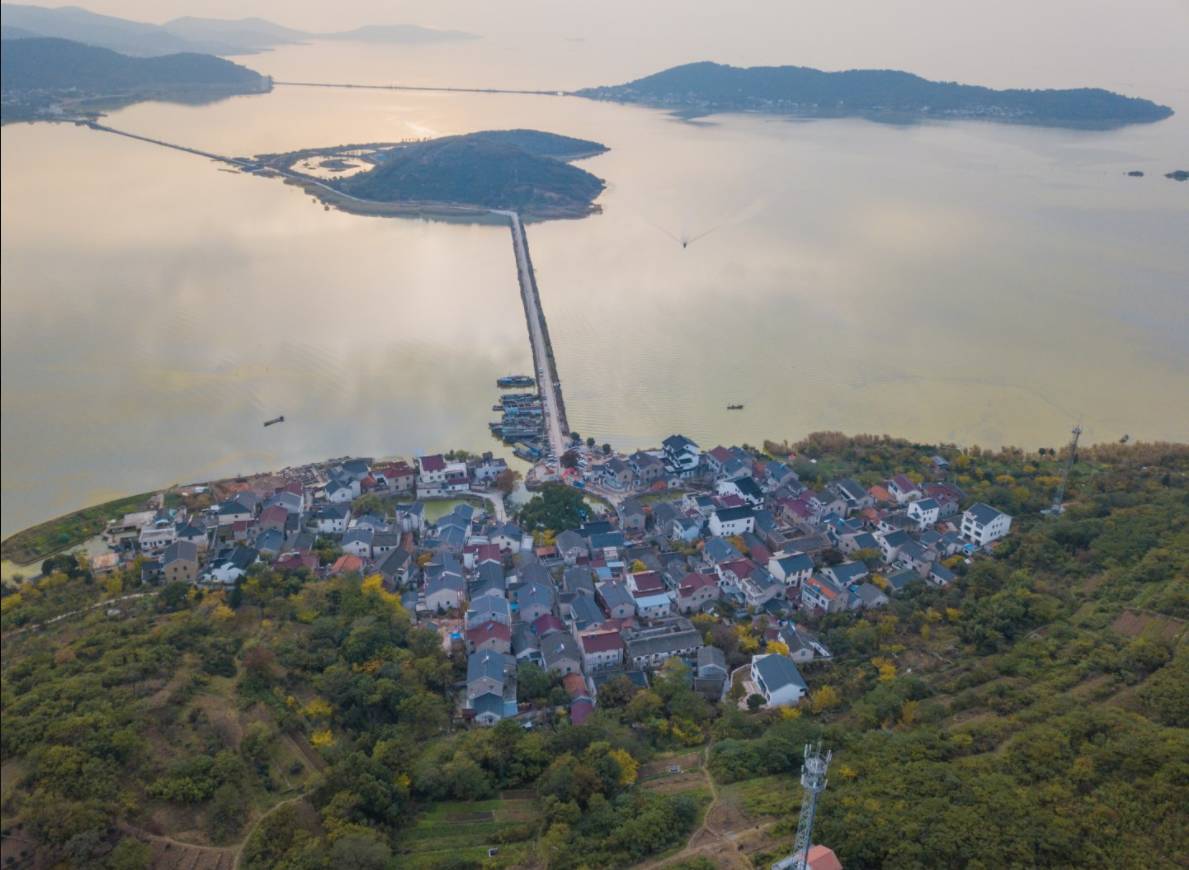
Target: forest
[[1033, 713]]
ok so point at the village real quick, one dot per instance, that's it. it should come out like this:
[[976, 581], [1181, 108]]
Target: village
[[677, 540]]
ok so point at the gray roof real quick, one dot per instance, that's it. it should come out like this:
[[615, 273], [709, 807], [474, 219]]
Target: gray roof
[[871, 596], [357, 535], [720, 550], [983, 513], [180, 551], [272, 540], [675, 636], [578, 579], [585, 611], [536, 593], [488, 704], [795, 563], [726, 515], [849, 572], [615, 594], [778, 671], [488, 663], [901, 579], [711, 657], [558, 646], [395, 561], [570, 540]]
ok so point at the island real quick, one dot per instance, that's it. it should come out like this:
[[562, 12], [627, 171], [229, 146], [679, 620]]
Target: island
[[1178, 175], [470, 175], [59, 79], [705, 88]]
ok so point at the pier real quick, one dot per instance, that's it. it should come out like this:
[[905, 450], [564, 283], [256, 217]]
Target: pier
[[544, 365]]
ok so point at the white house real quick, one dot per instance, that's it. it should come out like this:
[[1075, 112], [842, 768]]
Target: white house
[[778, 680], [331, 519], [682, 456], [791, 569], [725, 522], [601, 650], [983, 524], [157, 536], [903, 489], [926, 512]]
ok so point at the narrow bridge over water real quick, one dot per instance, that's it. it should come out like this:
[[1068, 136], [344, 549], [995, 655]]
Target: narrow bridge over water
[[544, 365]]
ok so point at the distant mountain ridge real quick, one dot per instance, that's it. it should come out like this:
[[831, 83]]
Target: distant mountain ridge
[[41, 76], [193, 34], [708, 87]]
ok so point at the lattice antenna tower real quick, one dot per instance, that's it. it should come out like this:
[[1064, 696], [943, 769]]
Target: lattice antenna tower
[[1059, 498], [813, 783]]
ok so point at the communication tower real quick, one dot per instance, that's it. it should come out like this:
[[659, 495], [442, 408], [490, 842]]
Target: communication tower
[[1059, 498]]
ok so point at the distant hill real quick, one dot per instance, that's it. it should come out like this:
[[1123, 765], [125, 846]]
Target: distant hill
[[243, 35], [398, 34], [191, 34], [79, 25], [880, 94], [524, 170], [42, 76]]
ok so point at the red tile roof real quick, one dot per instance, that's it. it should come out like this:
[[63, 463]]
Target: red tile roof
[[345, 564], [432, 463], [482, 633], [601, 641], [692, 583]]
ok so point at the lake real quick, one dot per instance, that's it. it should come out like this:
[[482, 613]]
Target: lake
[[961, 282]]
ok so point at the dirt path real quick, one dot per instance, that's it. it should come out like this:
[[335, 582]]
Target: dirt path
[[239, 850], [108, 603]]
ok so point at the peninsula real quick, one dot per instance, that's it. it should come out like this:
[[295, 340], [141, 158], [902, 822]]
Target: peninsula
[[526, 171], [883, 95], [59, 79]]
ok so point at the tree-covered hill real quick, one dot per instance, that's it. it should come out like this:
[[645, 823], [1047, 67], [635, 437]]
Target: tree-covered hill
[[522, 170], [713, 87], [59, 64]]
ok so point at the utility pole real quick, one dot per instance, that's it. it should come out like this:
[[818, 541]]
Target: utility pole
[[1059, 498], [813, 783]]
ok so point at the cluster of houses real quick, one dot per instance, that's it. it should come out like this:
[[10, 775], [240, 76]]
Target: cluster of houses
[[722, 531], [282, 523]]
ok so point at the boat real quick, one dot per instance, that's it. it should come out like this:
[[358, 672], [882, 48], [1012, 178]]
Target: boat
[[275, 420], [514, 381], [734, 407]]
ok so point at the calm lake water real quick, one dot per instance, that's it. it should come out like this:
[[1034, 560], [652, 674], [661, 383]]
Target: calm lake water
[[962, 282]]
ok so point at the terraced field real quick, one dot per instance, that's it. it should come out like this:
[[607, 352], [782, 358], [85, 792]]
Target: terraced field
[[469, 829]]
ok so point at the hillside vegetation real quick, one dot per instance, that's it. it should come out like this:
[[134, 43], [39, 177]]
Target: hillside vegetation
[[521, 170], [59, 64], [1034, 713], [717, 87]]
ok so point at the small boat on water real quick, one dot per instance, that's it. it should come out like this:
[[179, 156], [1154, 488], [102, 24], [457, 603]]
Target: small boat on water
[[734, 407], [274, 421], [514, 381]]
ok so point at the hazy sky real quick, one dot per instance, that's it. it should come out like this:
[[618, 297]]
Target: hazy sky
[[1005, 42]]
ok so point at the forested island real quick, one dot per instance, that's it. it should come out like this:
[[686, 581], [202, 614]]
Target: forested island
[[59, 78], [527, 171], [1032, 712], [889, 95]]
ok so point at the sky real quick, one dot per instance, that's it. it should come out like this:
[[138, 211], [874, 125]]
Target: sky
[[1050, 43]]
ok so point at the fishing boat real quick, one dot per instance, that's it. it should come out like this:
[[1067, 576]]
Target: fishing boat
[[514, 381], [274, 421], [734, 407]]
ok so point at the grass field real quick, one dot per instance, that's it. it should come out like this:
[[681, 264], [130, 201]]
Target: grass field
[[45, 539], [468, 829]]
